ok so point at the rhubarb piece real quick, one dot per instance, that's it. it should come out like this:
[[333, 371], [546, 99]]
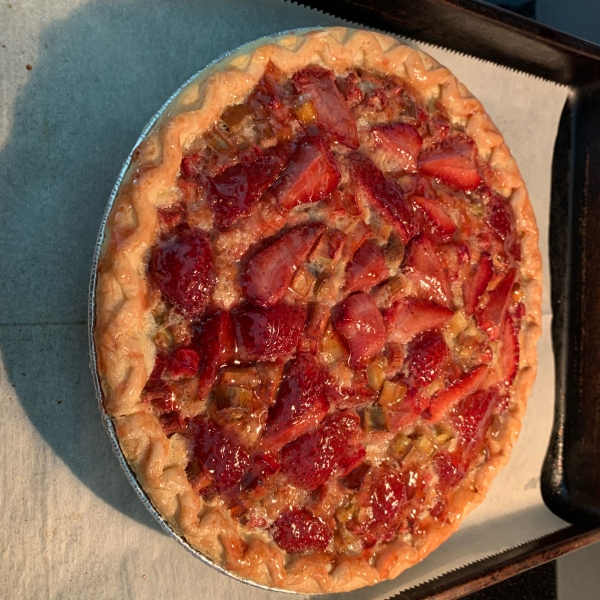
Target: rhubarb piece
[[401, 446], [491, 315], [454, 162], [358, 320], [269, 273], [392, 392], [374, 418], [474, 287], [423, 265], [328, 249], [232, 192], [267, 333], [410, 316], [384, 194], [401, 140], [183, 363], [181, 268], [434, 221], [310, 460], [366, 269], [297, 530], [333, 116], [219, 454], [427, 356], [311, 175], [446, 399], [216, 343], [301, 403]]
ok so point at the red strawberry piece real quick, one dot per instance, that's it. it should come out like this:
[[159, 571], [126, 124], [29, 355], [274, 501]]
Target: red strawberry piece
[[348, 86], [353, 457], [300, 405], [333, 115], [172, 422], [192, 165], [407, 412], [509, 357], [401, 140], [269, 273], [216, 342], [262, 466], [183, 363], [433, 219], [359, 322], [181, 268], [267, 333], [454, 162], [269, 94], [470, 416], [312, 175], [297, 530], [490, 316], [427, 355], [450, 471], [219, 454], [232, 192], [310, 460], [501, 218], [446, 399], [367, 268], [474, 287], [384, 194], [410, 316], [423, 265]]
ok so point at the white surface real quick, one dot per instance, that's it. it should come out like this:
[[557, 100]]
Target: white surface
[[73, 528]]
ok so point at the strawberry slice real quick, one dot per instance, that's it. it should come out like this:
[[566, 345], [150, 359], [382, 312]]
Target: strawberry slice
[[232, 192], [216, 341], [384, 194], [310, 460], [445, 400], [449, 470], [300, 405], [401, 140], [453, 162], [359, 322], [491, 315], [267, 333], [433, 219], [501, 218], [407, 412], [424, 267], [470, 416], [311, 175], [509, 359], [219, 454], [183, 363], [473, 288], [427, 356], [367, 268], [262, 466], [269, 273], [297, 530], [333, 115], [181, 268], [410, 316]]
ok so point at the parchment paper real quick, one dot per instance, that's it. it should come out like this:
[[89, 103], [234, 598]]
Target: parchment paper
[[72, 526]]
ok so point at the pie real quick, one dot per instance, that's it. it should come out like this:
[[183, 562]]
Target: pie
[[317, 307]]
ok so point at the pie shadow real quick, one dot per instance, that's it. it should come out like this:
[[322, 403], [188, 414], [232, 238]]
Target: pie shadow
[[100, 75]]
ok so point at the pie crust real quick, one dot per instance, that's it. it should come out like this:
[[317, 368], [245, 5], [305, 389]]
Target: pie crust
[[124, 328]]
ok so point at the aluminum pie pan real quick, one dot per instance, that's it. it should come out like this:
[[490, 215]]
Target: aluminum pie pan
[[107, 420]]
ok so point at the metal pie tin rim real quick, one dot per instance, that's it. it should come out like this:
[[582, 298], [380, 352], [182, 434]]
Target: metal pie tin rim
[[199, 76]]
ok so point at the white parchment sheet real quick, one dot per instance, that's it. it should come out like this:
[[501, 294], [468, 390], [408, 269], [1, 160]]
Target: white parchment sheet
[[72, 526]]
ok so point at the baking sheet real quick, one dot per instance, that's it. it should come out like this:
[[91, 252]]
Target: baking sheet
[[73, 527]]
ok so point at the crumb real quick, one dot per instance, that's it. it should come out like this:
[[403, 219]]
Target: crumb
[[29, 67]]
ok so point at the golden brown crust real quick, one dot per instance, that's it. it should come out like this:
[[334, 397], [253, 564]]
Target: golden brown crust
[[124, 328]]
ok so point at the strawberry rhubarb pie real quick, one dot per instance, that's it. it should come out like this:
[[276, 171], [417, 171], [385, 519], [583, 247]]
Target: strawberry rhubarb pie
[[317, 305]]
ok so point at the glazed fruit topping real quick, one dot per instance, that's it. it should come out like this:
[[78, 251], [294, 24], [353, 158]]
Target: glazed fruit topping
[[183, 363], [401, 140], [269, 273], [181, 268], [454, 162], [410, 316], [367, 268], [433, 219], [333, 116], [474, 287], [267, 333], [427, 357], [312, 175], [358, 320], [491, 315], [297, 530], [384, 194]]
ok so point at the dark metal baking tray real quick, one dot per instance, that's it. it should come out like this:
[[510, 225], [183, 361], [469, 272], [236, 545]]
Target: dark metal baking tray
[[571, 471]]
